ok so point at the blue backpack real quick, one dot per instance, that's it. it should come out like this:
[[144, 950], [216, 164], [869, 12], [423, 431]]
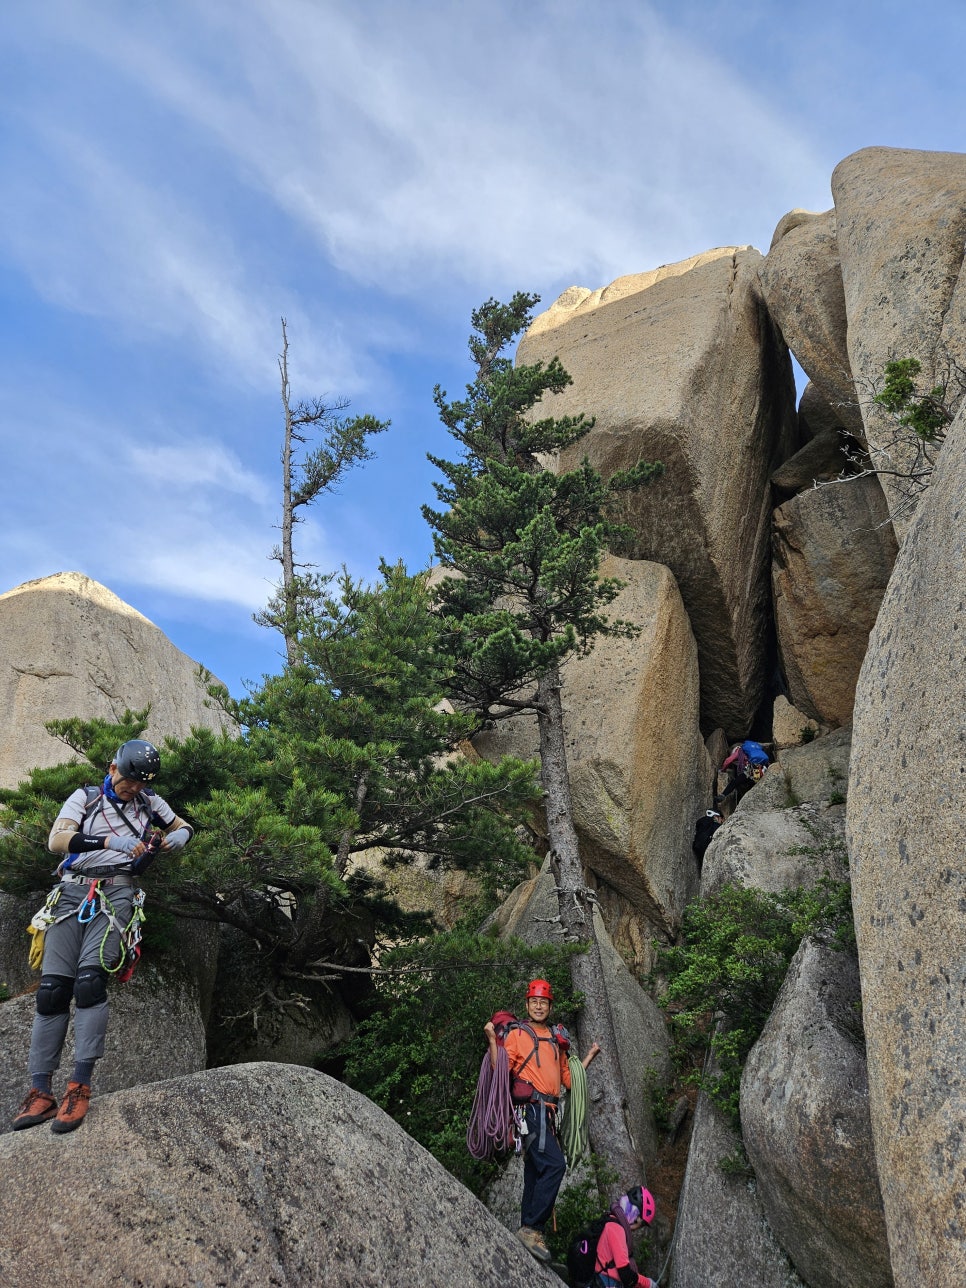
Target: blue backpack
[[755, 752]]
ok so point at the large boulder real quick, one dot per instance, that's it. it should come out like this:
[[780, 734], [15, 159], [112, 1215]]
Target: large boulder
[[907, 789], [801, 280], [806, 1127], [901, 227], [722, 1234], [639, 772], [70, 647], [683, 365], [833, 552], [254, 1175], [156, 1031]]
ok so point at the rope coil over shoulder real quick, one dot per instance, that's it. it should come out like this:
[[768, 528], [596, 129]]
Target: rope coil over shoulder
[[573, 1129], [490, 1129]]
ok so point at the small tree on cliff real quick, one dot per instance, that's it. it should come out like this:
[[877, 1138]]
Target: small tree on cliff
[[526, 547], [344, 443]]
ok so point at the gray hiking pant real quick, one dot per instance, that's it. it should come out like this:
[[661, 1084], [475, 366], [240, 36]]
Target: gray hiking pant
[[68, 946]]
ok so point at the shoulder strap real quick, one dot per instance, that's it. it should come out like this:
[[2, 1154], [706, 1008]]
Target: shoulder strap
[[522, 1024]]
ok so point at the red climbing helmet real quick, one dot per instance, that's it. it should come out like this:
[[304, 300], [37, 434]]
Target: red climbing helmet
[[540, 988]]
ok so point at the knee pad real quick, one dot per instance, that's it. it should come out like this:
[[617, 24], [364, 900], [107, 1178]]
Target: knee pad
[[90, 986], [53, 995]]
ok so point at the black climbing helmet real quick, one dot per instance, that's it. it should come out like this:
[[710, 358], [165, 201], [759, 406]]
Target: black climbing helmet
[[138, 760]]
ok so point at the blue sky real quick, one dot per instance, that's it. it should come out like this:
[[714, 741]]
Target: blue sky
[[177, 176]]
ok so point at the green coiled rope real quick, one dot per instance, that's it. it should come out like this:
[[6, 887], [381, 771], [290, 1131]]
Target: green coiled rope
[[573, 1129]]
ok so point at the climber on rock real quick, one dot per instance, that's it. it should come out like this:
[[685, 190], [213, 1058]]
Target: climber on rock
[[90, 926], [537, 1054]]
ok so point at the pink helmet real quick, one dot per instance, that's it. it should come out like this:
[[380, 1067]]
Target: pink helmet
[[638, 1202], [540, 988]]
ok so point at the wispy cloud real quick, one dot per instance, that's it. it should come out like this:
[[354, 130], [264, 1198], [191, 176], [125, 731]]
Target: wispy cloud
[[469, 142]]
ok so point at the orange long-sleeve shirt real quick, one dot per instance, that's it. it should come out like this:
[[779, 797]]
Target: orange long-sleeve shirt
[[547, 1069]]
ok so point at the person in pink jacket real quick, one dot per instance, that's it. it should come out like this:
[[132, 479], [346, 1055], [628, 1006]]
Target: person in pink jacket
[[614, 1262]]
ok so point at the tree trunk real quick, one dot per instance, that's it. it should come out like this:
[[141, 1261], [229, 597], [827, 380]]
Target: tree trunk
[[609, 1122], [289, 629]]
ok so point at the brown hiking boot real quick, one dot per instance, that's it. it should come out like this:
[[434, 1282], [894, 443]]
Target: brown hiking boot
[[73, 1108], [37, 1107], [532, 1240]]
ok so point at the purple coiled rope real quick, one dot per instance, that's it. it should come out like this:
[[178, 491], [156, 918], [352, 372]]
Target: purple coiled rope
[[490, 1128]]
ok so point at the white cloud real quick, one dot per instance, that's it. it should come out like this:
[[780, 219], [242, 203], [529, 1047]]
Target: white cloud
[[471, 142], [182, 464]]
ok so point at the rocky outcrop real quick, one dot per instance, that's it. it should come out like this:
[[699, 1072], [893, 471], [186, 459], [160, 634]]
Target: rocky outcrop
[[806, 1126], [70, 647], [638, 769], [532, 914], [254, 1175], [683, 365], [822, 459], [833, 550], [722, 1232], [156, 1031], [901, 230], [801, 280], [789, 726], [907, 788], [771, 843]]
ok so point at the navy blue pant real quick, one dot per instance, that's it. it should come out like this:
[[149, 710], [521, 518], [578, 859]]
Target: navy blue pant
[[543, 1170]]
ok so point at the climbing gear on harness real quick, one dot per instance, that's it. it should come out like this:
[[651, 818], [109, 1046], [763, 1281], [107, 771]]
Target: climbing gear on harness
[[138, 760], [38, 929], [540, 988], [573, 1128], [37, 1107], [73, 1108], [95, 902]]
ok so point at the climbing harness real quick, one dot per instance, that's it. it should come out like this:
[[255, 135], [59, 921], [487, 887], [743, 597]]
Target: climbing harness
[[94, 903]]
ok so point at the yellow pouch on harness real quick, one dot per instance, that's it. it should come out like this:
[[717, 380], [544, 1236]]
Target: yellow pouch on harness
[[36, 955], [38, 929]]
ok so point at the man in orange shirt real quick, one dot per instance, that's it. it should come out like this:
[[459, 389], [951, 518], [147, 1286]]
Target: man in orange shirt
[[538, 1069]]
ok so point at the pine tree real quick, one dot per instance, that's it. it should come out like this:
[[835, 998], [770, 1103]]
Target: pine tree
[[349, 750], [525, 547]]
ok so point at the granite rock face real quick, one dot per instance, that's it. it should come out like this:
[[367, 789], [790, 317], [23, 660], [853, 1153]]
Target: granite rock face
[[806, 1126], [225, 1188], [684, 365], [722, 1232], [833, 552], [907, 790], [801, 279], [901, 232], [70, 647]]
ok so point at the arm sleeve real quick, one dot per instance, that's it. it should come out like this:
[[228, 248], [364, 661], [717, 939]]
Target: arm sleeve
[[564, 1070], [65, 835]]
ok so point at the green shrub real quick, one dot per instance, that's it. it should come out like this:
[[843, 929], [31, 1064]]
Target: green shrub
[[725, 973]]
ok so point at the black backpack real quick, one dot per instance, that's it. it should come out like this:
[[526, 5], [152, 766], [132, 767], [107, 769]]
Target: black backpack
[[582, 1253]]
